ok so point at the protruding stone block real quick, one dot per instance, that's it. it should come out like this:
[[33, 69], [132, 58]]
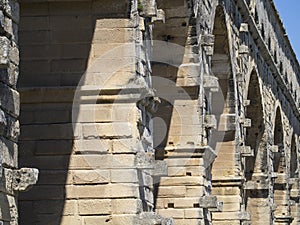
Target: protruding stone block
[[257, 185], [244, 27], [211, 203], [246, 102], [247, 151], [243, 49], [24, 178], [245, 122], [160, 17], [147, 8], [274, 149], [207, 40], [227, 122], [211, 83], [160, 168], [210, 121]]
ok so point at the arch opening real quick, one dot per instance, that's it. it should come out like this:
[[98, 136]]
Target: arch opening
[[254, 134]]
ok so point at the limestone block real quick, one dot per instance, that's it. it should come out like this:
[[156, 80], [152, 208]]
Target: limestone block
[[9, 100], [231, 216], [102, 161], [14, 54], [245, 122], [24, 178], [244, 27], [160, 168], [94, 207], [174, 213], [9, 75], [93, 146], [160, 16], [227, 122], [207, 40], [120, 35], [126, 146], [172, 192], [66, 220], [194, 191], [180, 181], [124, 176], [49, 132], [148, 8], [210, 121], [124, 219], [115, 23], [90, 176], [126, 206], [243, 49], [246, 151], [109, 130], [259, 185], [211, 83], [102, 191], [96, 220], [246, 103], [211, 203], [193, 213], [189, 70], [4, 53], [8, 153]]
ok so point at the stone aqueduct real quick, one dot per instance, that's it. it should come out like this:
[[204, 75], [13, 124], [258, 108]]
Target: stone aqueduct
[[147, 112]]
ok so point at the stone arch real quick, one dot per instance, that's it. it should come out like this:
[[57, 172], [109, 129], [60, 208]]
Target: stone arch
[[255, 134], [256, 194], [280, 169], [223, 101], [294, 158], [279, 159]]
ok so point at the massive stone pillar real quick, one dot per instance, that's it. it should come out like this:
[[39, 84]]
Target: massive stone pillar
[[12, 179], [86, 105]]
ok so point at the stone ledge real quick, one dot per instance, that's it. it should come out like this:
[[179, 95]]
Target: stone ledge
[[151, 218], [211, 203]]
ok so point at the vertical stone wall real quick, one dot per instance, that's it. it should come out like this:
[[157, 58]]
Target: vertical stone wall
[[12, 179], [227, 82], [86, 104]]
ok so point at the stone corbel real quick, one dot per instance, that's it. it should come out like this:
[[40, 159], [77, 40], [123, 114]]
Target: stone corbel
[[274, 149], [160, 17], [24, 178], [147, 162], [244, 31], [150, 103], [243, 49], [227, 122], [211, 83], [257, 185], [246, 151], [147, 8], [246, 102], [240, 78], [211, 203], [245, 122], [210, 121], [207, 42], [244, 28]]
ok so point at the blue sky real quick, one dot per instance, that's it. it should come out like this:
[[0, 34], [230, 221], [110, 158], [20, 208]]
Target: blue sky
[[289, 11]]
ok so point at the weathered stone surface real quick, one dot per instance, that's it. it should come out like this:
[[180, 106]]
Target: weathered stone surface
[[227, 82]]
